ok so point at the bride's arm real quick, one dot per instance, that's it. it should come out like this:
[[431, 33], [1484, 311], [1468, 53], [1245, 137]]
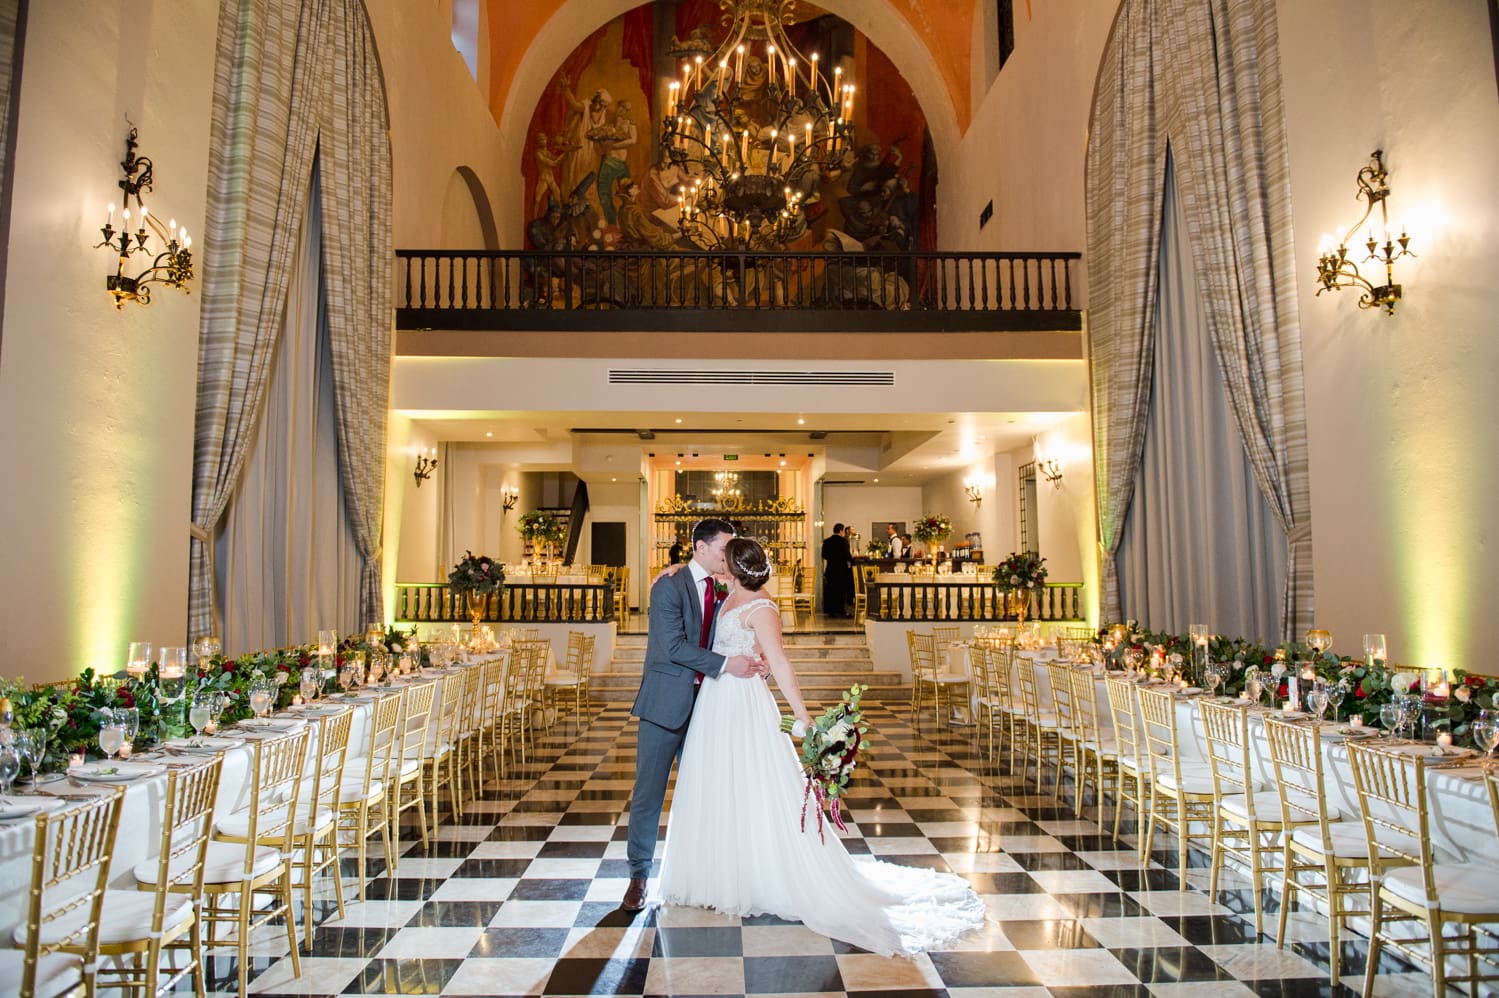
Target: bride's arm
[[767, 628]]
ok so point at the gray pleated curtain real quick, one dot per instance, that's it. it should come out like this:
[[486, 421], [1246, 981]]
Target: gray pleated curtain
[[293, 80], [1205, 76]]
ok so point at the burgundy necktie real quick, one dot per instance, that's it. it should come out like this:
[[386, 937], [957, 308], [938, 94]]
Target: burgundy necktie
[[710, 597]]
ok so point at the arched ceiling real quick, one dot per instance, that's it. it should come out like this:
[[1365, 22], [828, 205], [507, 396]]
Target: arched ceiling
[[932, 50]]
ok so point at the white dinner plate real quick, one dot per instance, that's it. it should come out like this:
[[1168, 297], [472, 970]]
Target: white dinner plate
[[14, 808], [116, 772], [203, 744], [319, 708], [272, 723]]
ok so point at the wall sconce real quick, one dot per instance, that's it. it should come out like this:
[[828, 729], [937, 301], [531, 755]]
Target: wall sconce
[[1048, 468], [1336, 271], [172, 267], [509, 495], [975, 492], [425, 462]]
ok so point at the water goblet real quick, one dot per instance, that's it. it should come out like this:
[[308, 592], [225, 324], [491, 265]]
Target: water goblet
[[111, 738], [36, 750], [129, 720], [1335, 696], [262, 696], [1316, 702], [1213, 675], [1389, 717], [1486, 734], [217, 704], [200, 713], [10, 766]]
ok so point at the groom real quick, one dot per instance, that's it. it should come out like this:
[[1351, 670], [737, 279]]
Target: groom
[[684, 609]]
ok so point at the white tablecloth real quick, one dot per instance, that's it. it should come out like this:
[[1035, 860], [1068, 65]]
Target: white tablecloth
[[140, 818]]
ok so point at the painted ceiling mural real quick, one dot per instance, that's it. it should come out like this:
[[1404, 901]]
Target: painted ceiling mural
[[598, 176]]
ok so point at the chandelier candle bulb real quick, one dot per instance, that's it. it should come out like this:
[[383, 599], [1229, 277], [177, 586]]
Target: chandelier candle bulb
[[770, 64], [814, 77], [739, 67], [697, 72]]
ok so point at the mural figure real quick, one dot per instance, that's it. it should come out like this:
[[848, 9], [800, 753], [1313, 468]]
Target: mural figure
[[616, 141], [547, 162], [663, 182], [585, 122]]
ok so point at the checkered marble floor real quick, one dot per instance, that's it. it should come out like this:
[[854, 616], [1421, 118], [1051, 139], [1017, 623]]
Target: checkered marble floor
[[520, 897]]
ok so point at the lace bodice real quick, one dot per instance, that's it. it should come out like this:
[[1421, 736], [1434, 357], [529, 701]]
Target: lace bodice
[[734, 636]]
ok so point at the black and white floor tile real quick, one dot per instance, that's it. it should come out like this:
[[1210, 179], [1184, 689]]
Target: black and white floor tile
[[520, 897]]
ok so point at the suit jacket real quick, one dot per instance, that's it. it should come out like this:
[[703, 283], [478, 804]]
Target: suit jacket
[[672, 655], [836, 557]]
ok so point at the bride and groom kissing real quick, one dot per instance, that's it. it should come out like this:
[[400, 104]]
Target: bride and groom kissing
[[735, 840]]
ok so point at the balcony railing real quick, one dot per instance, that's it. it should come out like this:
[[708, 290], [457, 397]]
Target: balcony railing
[[871, 292], [925, 599], [561, 603]]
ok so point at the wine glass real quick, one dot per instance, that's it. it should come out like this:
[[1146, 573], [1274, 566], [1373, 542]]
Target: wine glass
[[36, 750], [1132, 659], [217, 704], [1319, 640], [1374, 650], [1486, 734], [111, 738], [10, 765], [262, 695], [1335, 694], [1213, 675], [200, 713], [1389, 717], [1316, 701], [129, 720]]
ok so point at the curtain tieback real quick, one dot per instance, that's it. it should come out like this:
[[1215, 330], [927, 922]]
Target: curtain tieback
[[375, 554], [1299, 534]]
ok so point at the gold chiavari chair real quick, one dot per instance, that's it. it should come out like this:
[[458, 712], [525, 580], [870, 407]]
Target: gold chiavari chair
[[59, 944], [405, 785], [622, 593], [470, 729], [317, 816], [246, 881], [440, 749], [1068, 742], [136, 925], [930, 668], [573, 676], [946, 634], [362, 799], [491, 716], [1416, 885], [1097, 753], [1181, 796], [535, 678], [1040, 731], [1011, 710], [1323, 858], [1247, 821], [1134, 761], [985, 699], [515, 710], [864, 577], [805, 602]]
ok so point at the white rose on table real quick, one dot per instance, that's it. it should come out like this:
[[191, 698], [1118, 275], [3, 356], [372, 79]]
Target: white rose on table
[[1463, 694], [1401, 681], [1278, 669]]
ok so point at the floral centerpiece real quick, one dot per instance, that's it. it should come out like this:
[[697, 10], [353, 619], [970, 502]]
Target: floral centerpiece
[[932, 527], [1024, 570], [830, 750], [476, 578], [878, 547], [541, 526]]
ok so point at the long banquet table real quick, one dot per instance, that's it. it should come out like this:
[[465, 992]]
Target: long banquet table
[[1460, 813], [140, 819]]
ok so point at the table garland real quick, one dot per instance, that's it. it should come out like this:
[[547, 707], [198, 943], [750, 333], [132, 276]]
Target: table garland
[[72, 713]]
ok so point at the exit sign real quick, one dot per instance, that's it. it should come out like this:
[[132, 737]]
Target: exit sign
[[731, 457]]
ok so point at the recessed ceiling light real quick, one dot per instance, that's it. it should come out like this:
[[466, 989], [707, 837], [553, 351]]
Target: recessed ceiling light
[[614, 479], [876, 480], [489, 433], [800, 421], [679, 419], [783, 464], [679, 464]]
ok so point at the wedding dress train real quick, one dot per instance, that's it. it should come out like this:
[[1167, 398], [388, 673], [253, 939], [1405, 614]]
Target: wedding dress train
[[735, 839]]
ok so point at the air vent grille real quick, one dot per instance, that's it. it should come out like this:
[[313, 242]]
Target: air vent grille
[[794, 379]]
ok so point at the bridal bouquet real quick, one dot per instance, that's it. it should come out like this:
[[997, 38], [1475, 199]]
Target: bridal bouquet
[[830, 750]]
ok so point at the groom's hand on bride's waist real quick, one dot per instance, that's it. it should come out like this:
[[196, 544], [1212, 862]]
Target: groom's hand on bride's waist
[[744, 666]]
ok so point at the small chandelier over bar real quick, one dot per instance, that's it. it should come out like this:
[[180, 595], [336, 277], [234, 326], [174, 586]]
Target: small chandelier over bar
[[172, 266], [753, 126], [1336, 271]]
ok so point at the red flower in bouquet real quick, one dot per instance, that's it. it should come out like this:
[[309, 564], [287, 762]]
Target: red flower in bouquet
[[830, 750]]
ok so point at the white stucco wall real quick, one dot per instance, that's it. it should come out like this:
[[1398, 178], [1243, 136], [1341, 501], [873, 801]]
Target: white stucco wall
[[96, 406], [1401, 410]]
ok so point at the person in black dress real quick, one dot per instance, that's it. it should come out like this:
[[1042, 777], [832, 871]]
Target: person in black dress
[[674, 556]]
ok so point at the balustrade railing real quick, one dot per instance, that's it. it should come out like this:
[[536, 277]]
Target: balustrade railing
[[919, 598], [560, 603], [475, 289]]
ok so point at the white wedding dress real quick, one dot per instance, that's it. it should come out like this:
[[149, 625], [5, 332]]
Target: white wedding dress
[[735, 841]]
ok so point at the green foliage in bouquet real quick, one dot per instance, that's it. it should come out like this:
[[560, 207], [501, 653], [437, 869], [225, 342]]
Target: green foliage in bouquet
[[1021, 571], [932, 527], [541, 526]]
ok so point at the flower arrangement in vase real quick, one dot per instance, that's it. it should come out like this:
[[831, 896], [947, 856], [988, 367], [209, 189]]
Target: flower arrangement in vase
[[1019, 576], [930, 530], [541, 528], [476, 577]]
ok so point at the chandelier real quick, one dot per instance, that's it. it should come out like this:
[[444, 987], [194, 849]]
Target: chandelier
[[753, 127], [725, 485], [172, 266]]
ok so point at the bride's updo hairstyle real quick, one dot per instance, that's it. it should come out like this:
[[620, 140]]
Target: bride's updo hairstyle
[[747, 562]]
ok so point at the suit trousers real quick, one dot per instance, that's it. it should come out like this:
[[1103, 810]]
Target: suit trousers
[[656, 750]]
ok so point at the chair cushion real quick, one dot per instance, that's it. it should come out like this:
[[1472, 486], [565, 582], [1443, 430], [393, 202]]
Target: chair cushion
[[1106, 747], [57, 974], [563, 679], [237, 825], [225, 864], [352, 791], [1267, 807], [1195, 779], [1462, 888], [1348, 840], [126, 917]]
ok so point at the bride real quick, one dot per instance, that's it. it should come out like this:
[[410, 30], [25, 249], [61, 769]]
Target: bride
[[735, 839]]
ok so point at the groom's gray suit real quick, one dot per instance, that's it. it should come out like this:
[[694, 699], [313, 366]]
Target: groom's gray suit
[[673, 660]]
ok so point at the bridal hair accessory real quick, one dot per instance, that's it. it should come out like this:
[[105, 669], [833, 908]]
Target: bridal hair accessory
[[830, 749]]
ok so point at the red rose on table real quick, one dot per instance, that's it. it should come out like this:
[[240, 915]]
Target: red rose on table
[[125, 697], [1358, 694]]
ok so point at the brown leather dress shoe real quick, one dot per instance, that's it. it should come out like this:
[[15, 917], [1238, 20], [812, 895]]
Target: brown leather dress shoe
[[634, 895]]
